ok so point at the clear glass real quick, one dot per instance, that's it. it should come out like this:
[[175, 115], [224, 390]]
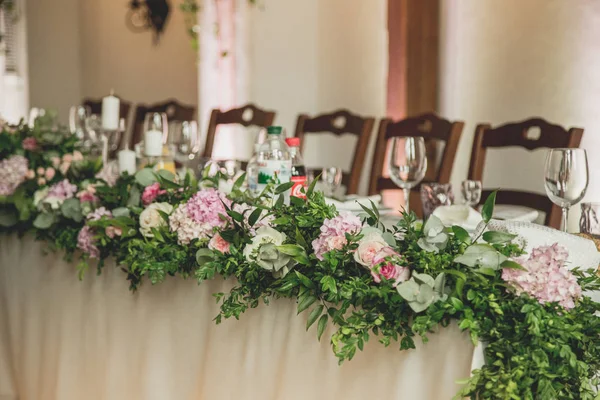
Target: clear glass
[[434, 195], [332, 178], [77, 121], [566, 178], [183, 141], [157, 122], [229, 169], [115, 137], [93, 128], [35, 113], [471, 191], [590, 219], [407, 163]]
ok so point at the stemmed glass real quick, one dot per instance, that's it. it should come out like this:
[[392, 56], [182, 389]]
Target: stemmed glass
[[34, 114], [566, 178], [183, 141], [332, 177], [407, 162], [93, 129], [471, 191], [154, 123], [77, 121]]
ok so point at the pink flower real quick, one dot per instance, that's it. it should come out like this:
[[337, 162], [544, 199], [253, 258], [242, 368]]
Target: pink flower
[[40, 171], [62, 190], [30, 174], [87, 195], [41, 181], [386, 263], [86, 242], [67, 158], [112, 231], [545, 277], [98, 213], [13, 171], [368, 247], [151, 193], [218, 243], [50, 172], [29, 143], [77, 156], [55, 162], [332, 232]]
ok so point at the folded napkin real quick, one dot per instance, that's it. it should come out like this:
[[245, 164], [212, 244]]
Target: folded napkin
[[353, 202], [461, 215]]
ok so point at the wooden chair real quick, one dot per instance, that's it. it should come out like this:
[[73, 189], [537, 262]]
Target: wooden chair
[[246, 115], [430, 127], [175, 112], [341, 122], [519, 134]]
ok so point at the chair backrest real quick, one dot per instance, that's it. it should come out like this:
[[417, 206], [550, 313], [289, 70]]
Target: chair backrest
[[246, 115], [341, 122], [520, 134], [175, 112], [430, 127]]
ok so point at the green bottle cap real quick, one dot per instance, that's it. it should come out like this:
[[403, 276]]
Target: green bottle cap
[[274, 130]]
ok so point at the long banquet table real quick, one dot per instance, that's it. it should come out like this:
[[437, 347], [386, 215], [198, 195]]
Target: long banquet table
[[62, 339]]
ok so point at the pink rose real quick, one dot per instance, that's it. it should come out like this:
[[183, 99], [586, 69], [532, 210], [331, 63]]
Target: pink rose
[[41, 181], [218, 243], [30, 174], [68, 158], [77, 156], [336, 242], [112, 231], [151, 193], [386, 264], [87, 195], [29, 143], [40, 171], [368, 247], [50, 172], [55, 162]]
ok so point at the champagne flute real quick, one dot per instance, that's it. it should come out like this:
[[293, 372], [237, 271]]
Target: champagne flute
[[407, 162], [566, 178], [332, 177], [77, 121]]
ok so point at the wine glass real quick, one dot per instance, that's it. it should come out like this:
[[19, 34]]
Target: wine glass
[[471, 191], [332, 177], [566, 178], [77, 121], [93, 128], [157, 122], [183, 141], [34, 114], [407, 162]]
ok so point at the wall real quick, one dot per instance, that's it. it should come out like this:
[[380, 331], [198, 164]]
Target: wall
[[317, 56], [506, 60], [83, 49]]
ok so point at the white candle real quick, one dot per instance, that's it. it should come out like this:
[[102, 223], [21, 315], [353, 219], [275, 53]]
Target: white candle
[[110, 113], [153, 143], [127, 161]]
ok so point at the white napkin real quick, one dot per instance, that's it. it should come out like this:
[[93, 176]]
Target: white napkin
[[460, 215], [353, 202]]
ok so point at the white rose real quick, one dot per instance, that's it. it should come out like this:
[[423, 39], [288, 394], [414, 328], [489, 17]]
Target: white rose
[[368, 247], [151, 218], [40, 195], [264, 234]]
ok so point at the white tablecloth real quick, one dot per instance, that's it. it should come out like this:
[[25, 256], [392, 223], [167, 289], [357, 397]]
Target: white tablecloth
[[62, 339]]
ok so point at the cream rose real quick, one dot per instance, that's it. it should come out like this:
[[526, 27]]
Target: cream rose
[[368, 247], [151, 218]]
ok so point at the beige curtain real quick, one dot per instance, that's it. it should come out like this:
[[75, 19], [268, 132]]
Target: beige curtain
[[62, 339]]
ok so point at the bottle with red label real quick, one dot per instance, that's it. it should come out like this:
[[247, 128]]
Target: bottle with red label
[[298, 169]]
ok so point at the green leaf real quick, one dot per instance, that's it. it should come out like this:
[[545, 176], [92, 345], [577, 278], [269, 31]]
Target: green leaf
[[488, 207], [456, 303], [235, 215], [461, 234], [44, 221], [279, 202], [254, 216], [121, 212], [203, 256], [166, 175], [314, 314], [281, 221], [322, 325], [305, 302], [297, 252], [300, 239], [239, 181], [328, 284], [71, 209], [305, 280], [296, 201], [145, 177], [284, 187], [495, 237], [7, 217], [312, 186], [135, 196], [513, 265], [481, 255], [389, 238]]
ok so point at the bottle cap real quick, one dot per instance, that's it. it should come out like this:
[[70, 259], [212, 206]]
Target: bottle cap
[[293, 141], [274, 130]]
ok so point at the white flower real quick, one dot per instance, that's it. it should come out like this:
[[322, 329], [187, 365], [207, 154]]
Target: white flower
[[371, 243], [263, 250], [151, 218], [264, 234], [40, 195]]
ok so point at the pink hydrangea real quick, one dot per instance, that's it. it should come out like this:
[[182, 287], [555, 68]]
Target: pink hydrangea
[[62, 190], [13, 171], [151, 193], [86, 242], [333, 233], [545, 277], [29, 143], [387, 264], [98, 213]]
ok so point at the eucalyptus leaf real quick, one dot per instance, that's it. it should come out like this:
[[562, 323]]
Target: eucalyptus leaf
[[121, 212], [203, 256], [433, 226], [145, 177], [71, 209], [495, 237], [168, 175], [44, 221], [134, 197], [389, 238], [481, 255]]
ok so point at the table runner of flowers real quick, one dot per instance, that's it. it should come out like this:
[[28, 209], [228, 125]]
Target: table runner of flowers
[[392, 284]]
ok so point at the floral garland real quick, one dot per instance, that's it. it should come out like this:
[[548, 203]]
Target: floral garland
[[541, 332]]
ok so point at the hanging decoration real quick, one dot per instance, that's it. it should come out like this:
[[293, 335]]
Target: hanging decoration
[[148, 14]]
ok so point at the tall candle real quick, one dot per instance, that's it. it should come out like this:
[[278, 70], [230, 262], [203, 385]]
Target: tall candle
[[153, 143], [110, 112], [127, 161]]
